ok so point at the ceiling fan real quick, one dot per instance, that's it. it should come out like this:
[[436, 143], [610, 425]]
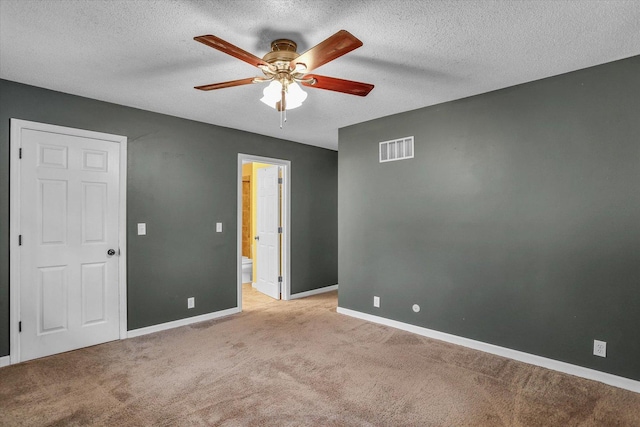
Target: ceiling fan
[[284, 68]]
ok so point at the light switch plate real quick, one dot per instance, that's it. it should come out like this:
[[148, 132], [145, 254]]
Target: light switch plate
[[218, 227], [142, 229]]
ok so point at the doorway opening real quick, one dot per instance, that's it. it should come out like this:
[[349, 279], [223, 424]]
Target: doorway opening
[[263, 232]]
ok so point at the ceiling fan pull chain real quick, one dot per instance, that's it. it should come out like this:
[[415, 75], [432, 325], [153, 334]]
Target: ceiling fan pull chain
[[285, 89], [283, 105]]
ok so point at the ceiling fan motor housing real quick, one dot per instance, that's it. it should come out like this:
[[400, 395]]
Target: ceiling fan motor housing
[[283, 51]]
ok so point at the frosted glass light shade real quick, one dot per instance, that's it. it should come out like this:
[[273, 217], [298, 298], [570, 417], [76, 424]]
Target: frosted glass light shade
[[271, 94], [294, 97]]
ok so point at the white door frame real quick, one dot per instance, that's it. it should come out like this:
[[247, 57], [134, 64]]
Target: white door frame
[[285, 290], [17, 126]]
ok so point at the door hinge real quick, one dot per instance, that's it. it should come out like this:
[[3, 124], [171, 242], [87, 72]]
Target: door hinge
[[280, 230], [280, 279], [20, 326], [279, 180], [20, 240], [19, 153]]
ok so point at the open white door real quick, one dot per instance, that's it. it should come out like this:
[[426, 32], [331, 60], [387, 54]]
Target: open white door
[[268, 218], [69, 241]]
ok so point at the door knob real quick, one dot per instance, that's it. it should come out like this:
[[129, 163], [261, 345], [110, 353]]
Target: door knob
[[256, 238], [111, 252]]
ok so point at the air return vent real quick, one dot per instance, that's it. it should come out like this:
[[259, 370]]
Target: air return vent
[[397, 149]]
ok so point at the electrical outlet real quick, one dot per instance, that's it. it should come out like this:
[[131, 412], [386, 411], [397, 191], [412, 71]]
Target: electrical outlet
[[599, 348], [376, 302], [191, 302]]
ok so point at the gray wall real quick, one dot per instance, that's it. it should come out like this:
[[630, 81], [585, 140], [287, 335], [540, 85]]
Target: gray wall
[[517, 223], [181, 180]]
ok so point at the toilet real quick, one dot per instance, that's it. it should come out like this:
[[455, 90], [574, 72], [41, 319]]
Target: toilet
[[247, 269]]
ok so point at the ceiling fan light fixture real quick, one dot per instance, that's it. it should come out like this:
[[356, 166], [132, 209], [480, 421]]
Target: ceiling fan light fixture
[[294, 95]]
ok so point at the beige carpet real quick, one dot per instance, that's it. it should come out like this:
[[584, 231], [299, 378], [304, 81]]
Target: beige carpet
[[299, 363]]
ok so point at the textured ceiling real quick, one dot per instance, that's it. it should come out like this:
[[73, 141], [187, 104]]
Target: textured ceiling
[[141, 53]]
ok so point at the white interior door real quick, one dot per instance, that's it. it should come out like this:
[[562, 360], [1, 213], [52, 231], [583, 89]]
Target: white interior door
[[69, 222], [268, 217]]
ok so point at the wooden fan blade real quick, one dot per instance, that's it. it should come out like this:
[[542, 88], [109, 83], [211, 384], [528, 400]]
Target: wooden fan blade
[[334, 47], [233, 50], [338, 85], [222, 85]]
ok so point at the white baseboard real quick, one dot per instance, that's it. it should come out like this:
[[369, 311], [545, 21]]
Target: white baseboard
[[314, 292], [5, 361], [182, 322], [532, 359]]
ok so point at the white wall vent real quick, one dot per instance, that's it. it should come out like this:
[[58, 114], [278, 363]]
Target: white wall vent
[[397, 149]]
